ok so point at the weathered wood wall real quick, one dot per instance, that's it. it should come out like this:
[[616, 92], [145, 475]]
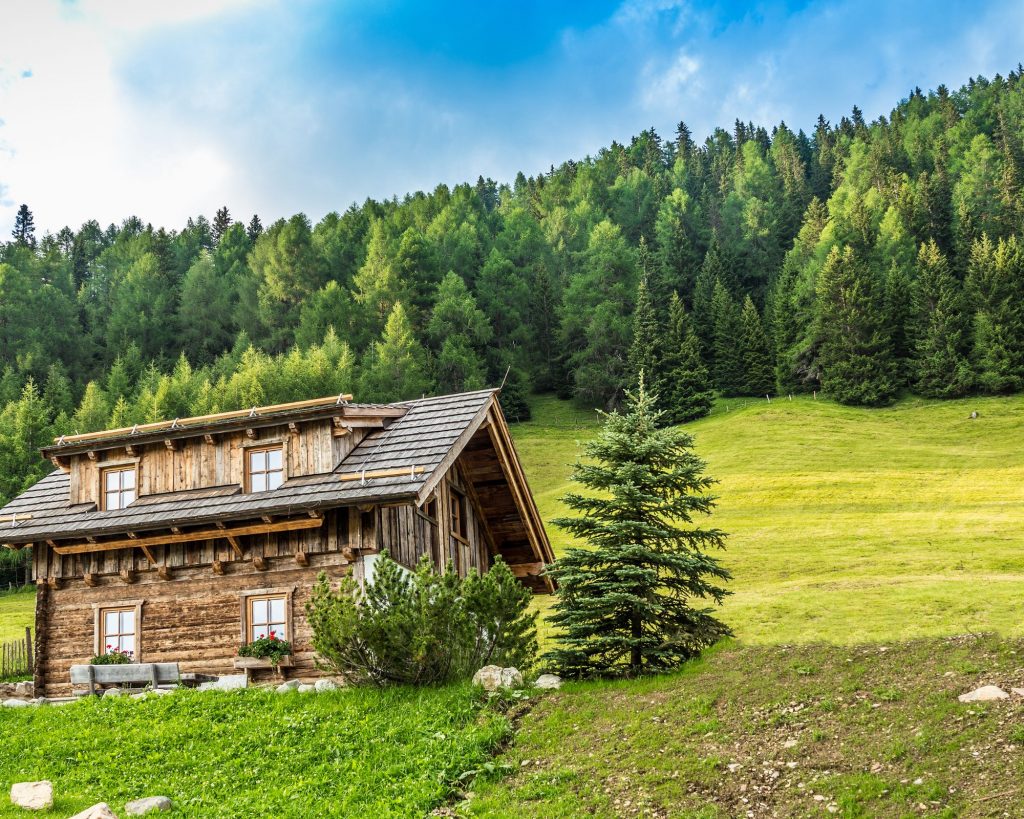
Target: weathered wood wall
[[196, 464]]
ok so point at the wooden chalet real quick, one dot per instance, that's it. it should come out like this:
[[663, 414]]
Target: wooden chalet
[[180, 541]]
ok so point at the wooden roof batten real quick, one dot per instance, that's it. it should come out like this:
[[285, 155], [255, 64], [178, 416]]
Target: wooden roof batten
[[338, 406]]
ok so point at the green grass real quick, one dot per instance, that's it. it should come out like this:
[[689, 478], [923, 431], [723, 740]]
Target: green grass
[[393, 753], [846, 525], [17, 610], [871, 731]]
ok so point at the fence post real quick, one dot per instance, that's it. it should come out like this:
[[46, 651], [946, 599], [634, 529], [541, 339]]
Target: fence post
[[30, 656]]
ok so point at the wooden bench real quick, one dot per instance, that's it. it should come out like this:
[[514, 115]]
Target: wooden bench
[[133, 674]]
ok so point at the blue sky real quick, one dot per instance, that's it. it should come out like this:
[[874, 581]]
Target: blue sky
[[111, 107]]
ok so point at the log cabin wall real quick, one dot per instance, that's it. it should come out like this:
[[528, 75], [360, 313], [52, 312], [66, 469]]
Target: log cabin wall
[[202, 462], [194, 617]]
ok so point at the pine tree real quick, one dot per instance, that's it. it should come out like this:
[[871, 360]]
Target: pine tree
[[688, 388], [460, 331], [856, 352], [221, 223], [758, 367], [628, 604], [255, 229], [24, 232], [941, 367], [727, 336]]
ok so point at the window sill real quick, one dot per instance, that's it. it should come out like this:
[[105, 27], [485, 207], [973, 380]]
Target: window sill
[[262, 662]]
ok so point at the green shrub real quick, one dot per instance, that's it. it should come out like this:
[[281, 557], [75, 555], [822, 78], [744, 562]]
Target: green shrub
[[267, 647], [421, 627]]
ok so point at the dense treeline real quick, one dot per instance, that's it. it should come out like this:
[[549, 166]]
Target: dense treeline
[[861, 259]]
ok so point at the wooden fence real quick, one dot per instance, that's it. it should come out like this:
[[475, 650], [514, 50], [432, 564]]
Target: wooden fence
[[16, 657]]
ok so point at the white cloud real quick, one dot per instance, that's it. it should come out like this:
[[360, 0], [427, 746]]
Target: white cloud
[[665, 88]]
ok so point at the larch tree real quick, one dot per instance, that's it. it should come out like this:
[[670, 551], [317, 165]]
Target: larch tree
[[995, 279], [459, 331], [396, 366], [636, 599], [730, 377]]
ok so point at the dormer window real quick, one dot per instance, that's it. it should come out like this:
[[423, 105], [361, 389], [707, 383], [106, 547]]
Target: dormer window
[[264, 468], [118, 487]]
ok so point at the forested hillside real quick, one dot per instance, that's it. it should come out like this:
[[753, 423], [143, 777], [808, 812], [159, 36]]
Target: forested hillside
[[861, 259]]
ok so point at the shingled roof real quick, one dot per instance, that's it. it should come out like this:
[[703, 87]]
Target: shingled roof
[[424, 438]]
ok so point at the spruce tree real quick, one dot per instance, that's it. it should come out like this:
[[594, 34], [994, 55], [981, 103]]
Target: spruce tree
[[688, 391], [633, 602], [24, 232], [645, 353], [995, 280], [758, 367], [254, 229], [396, 366], [728, 352], [855, 349], [221, 223], [941, 367]]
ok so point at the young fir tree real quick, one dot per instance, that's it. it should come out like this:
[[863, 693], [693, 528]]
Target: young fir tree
[[856, 352], [942, 367], [645, 353], [728, 352], [759, 370], [634, 601], [688, 389]]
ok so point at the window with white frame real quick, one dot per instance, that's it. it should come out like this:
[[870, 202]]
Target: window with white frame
[[268, 615], [118, 487], [264, 468], [119, 631]]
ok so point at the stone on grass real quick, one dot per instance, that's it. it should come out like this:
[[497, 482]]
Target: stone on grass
[[151, 804], [494, 677], [113, 692], [326, 685], [33, 795], [99, 811], [306, 688], [229, 682], [24, 689], [1017, 692], [12, 703], [548, 682], [987, 693], [290, 685]]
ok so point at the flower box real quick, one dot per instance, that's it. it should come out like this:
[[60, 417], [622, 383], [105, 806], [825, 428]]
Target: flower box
[[251, 663]]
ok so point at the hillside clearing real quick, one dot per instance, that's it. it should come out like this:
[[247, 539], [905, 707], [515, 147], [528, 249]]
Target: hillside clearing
[[394, 753], [846, 525], [17, 610], [787, 731]]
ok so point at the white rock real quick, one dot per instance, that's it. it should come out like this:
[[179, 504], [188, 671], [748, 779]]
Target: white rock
[[113, 692], [987, 693], [494, 677], [290, 685], [151, 804], [229, 682], [1019, 692], [140, 696], [306, 688], [326, 685], [99, 811], [33, 795], [24, 689], [548, 682], [12, 703], [789, 743]]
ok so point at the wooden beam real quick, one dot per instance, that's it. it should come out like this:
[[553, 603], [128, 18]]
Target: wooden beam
[[163, 572], [527, 569], [54, 582], [349, 424], [233, 541], [90, 579], [382, 473], [149, 555], [302, 558], [293, 428], [209, 438], [171, 443], [218, 567], [189, 537], [131, 451], [127, 575], [60, 463], [92, 454], [260, 564], [348, 553], [251, 432]]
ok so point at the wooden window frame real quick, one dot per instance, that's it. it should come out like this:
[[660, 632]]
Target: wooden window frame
[[120, 466], [263, 446], [429, 508], [249, 597], [99, 636], [459, 515]]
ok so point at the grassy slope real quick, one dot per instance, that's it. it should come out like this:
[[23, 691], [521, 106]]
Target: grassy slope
[[17, 610], [847, 524], [797, 731], [395, 753]]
